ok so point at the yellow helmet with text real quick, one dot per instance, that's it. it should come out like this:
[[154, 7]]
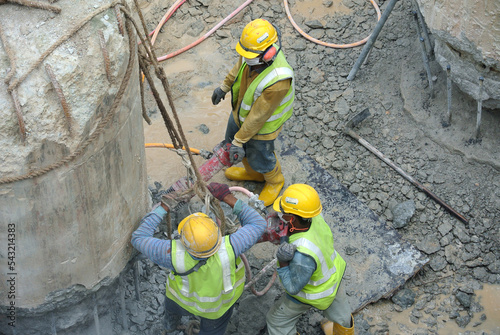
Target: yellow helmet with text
[[299, 199], [256, 37], [200, 235]]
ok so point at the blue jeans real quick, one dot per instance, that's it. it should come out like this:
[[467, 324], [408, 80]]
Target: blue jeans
[[174, 312], [260, 154]]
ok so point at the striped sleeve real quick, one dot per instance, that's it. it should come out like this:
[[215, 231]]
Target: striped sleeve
[[155, 249], [253, 226]]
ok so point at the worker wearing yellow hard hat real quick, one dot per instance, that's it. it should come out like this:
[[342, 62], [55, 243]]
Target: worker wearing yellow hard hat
[[310, 269], [262, 96], [207, 275]]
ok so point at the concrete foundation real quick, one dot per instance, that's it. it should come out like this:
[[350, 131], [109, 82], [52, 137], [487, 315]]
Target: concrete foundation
[[467, 37], [65, 235]]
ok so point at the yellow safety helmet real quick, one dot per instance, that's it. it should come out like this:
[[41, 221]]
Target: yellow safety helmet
[[299, 199], [200, 235], [256, 37]]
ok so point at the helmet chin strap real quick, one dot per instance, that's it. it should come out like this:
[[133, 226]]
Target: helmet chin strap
[[293, 229]]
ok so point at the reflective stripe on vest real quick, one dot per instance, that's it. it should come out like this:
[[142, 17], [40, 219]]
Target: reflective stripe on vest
[[212, 290], [317, 242], [279, 70]]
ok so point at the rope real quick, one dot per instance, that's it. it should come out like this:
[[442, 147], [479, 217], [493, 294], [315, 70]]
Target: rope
[[102, 124], [34, 4], [61, 40]]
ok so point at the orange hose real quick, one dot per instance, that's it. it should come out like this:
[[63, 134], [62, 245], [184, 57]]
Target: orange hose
[[170, 146], [331, 45]]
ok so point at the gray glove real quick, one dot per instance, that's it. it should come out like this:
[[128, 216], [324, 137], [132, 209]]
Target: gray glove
[[285, 252], [236, 154], [218, 95]]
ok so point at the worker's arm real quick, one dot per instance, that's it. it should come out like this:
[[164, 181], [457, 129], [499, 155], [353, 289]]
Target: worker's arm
[[262, 109], [155, 249], [298, 272], [253, 226]]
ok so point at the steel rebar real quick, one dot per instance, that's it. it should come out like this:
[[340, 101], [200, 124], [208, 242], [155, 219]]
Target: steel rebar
[[427, 67], [53, 324], [122, 303], [448, 89], [105, 55], [96, 316], [136, 281], [479, 108], [60, 95], [424, 28], [371, 40]]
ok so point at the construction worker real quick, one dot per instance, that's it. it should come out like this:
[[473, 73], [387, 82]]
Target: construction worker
[[310, 269], [207, 275], [262, 89]]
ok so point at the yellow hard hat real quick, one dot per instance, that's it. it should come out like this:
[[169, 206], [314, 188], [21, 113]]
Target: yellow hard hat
[[299, 199], [256, 37], [200, 235]]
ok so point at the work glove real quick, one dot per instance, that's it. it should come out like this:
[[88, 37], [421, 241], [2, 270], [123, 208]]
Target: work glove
[[285, 252], [172, 199], [218, 95], [219, 190], [236, 153]]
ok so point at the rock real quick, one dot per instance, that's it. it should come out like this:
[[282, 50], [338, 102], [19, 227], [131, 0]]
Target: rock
[[402, 213], [314, 24], [438, 263], [445, 228], [463, 298], [429, 245], [404, 298]]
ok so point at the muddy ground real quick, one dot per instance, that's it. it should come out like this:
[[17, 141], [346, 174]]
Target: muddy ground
[[458, 290]]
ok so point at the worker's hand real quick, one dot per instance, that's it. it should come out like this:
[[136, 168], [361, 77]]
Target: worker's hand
[[218, 95], [220, 191], [285, 252], [236, 153], [168, 201]]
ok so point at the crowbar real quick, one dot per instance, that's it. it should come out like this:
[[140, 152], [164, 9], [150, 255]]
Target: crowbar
[[357, 119]]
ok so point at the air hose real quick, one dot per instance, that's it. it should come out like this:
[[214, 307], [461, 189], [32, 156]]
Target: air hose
[[251, 282]]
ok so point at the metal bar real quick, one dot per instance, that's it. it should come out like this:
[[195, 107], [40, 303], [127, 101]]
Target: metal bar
[[424, 28], [122, 303], [136, 281], [479, 108], [53, 324], [386, 160], [96, 316], [371, 39], [427, 67], [60, 95], [105, 55], [448, 89]]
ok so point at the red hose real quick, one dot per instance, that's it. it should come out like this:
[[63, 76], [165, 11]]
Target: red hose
[[187, 47]]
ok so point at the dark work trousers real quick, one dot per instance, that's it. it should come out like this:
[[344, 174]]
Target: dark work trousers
[[174, 312]]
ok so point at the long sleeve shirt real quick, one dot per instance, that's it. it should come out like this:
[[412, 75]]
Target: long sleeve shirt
[[159, 250], [297, 274], [262, 109]]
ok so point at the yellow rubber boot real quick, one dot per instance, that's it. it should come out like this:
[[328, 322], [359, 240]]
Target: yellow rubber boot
[[331, 328], [246, 173], [274, 184]]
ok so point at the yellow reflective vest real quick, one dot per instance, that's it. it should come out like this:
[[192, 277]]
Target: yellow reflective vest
[[211, 290], [317, 242], [277, 71]]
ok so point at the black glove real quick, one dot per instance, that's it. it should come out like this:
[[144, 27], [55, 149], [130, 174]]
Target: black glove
[[219, 190], [285, 252], [218, 95], [236, 154]]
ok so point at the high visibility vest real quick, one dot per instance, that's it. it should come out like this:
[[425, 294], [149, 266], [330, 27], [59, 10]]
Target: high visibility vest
[[214, 288], [317, 242], [277, 71]]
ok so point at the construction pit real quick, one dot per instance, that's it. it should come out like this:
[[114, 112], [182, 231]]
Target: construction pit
[[77, 181]]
